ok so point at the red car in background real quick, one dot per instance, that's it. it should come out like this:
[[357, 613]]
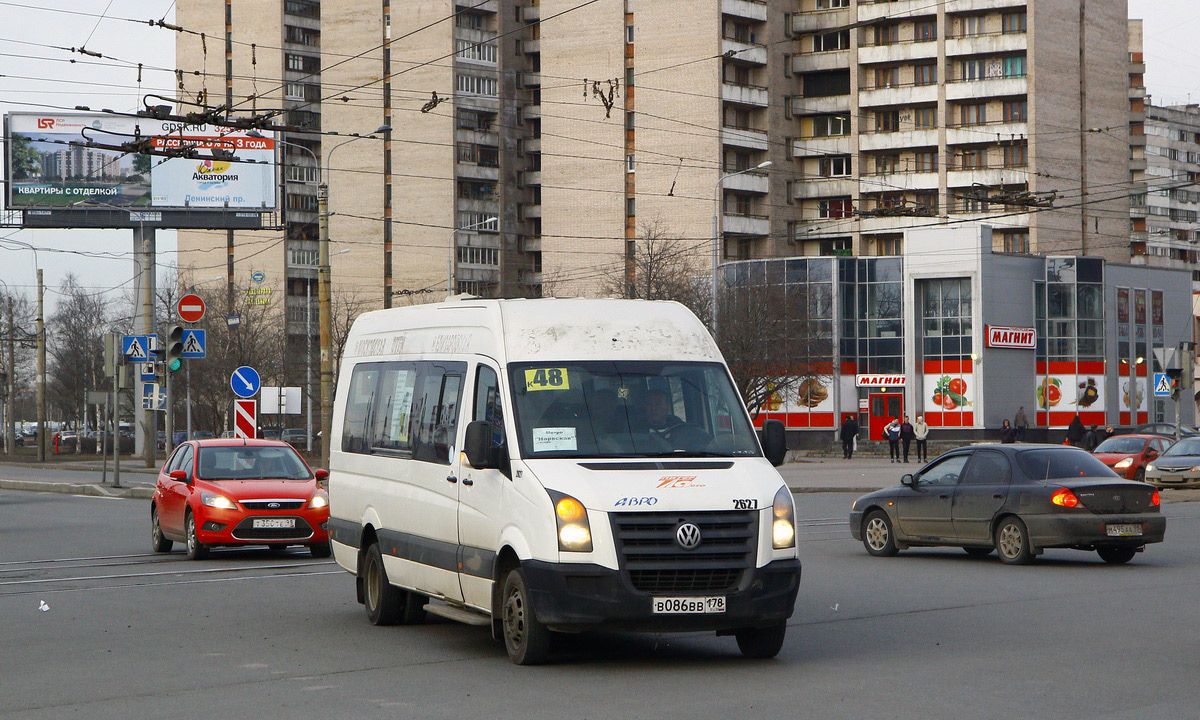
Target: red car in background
[[1128, 455], [239, 492]]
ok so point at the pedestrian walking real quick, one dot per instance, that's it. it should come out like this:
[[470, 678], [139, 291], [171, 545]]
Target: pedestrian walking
[[1020, 424], [849, 436], [921, 434], [1008, 434], [1075, 432], [891, 433], [1091, 439], [906, 436]]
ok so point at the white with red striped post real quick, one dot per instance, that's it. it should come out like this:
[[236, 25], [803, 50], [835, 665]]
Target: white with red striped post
[[245, 419]]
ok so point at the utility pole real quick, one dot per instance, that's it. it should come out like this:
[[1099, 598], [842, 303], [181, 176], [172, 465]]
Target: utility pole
[[12, 381], [41, 363], [325, 317], [146, 421], [308, 397]]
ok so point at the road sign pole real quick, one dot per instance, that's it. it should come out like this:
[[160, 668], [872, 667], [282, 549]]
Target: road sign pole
[[187, 384], [169, 422]]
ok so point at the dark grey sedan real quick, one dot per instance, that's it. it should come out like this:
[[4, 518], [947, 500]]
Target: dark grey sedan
[[1015, 499]]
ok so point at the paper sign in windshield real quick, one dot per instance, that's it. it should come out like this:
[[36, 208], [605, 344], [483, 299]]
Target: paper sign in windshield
[[553, 439], [546, 379]]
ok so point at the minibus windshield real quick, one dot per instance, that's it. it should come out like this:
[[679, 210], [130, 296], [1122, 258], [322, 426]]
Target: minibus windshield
[[629, 409]]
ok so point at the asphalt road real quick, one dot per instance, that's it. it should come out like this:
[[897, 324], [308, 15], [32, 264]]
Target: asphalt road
[[929, 634]]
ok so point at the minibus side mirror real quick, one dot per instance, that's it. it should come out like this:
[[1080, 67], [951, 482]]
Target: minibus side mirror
[[774, 442], [478, 446]]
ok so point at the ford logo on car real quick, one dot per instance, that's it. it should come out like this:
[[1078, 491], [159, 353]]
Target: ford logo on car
[[273, 505]]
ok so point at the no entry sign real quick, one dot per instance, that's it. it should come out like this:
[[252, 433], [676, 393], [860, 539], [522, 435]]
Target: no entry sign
[[245, 419], [191, 308]]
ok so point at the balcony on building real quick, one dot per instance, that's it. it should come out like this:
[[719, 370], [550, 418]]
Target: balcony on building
[[817, 20], [530, 177], [530, 211], [739, 224], [988, 176], [900, 94], [986, 43], [531, 13], [748, 9], [744, 137], [897, 52], [746, 52], [906, 9], [813, 187], [751, 95], [811, 147], [824, 60], [899, 181], [872, 140], [528, 244], [531, 112], [967, 134], [971, 6], [988, 87], [754, 181], [529, 277], [528, 79], [529, 46]]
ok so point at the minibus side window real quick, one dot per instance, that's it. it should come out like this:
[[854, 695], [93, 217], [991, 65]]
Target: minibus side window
[[435, 407], [488, 405], [393, 408], [357, 422]]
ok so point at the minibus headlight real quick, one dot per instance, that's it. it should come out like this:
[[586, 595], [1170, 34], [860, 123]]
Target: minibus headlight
[[218, 501], [574, 532], [783, 520]]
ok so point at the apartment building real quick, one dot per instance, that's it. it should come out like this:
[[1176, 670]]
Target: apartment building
[[911, 113], [274, 64], [1164, 214]]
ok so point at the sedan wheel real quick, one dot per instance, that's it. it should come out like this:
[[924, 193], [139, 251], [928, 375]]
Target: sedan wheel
[[1012, 541], [196, 550], [1116, 555], [157, 540], [877, 535], [1140, 475]]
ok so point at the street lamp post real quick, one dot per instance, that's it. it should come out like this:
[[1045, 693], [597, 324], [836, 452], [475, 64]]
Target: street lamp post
[[451, 262], [716, 230]]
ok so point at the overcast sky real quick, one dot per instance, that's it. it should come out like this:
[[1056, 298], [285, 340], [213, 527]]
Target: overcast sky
[[40, 75]]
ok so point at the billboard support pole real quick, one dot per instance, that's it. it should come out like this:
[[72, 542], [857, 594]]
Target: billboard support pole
[[146, 420]]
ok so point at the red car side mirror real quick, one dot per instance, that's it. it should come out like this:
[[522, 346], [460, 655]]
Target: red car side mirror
[[1151, 454], [179, 475], [321, 474]]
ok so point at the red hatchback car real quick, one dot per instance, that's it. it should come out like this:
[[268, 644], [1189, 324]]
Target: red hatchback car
[[1128, 455], [239, 492]]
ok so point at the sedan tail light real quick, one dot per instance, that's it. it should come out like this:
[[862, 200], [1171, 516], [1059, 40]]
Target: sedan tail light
[[1155, 500], [1064, 497]]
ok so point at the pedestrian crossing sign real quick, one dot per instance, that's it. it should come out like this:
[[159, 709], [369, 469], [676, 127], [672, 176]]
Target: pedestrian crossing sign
[[1163, 387], [135, 348], [194, 345]]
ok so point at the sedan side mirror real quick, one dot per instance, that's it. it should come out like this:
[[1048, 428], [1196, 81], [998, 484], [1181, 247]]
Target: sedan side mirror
[[179, 475], [321, 474], [1151, 454], [910, 480]]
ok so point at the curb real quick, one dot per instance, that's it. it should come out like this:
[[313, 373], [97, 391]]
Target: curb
[[76, 467], [128, 493]]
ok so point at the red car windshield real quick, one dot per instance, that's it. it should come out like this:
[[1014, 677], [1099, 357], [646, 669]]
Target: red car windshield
[[250, 462]]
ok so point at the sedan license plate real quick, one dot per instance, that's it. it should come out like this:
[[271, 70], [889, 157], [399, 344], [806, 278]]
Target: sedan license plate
[[274, 522], [1123, 530], [688, 605]]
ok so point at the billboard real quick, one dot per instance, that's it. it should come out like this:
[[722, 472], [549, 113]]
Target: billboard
[[53, 176]]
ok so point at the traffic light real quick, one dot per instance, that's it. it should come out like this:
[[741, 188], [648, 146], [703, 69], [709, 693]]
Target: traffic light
[[174, 357], [1175, 374]]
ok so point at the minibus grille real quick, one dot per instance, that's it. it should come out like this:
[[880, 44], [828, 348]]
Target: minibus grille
[[656, 563]]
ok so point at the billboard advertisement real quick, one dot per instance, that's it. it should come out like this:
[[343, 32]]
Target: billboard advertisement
[[49, 167]]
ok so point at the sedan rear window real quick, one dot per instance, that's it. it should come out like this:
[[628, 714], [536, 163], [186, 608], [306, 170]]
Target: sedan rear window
[[249, 462], [1061, 464]]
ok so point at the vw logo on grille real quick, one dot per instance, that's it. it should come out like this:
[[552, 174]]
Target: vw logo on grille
[[687, 535], [273, 505]]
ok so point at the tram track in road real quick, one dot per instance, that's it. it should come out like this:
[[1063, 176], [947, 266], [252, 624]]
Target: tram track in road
[[56, 575]]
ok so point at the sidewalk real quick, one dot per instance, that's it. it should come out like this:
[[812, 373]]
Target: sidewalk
[[860, 475]]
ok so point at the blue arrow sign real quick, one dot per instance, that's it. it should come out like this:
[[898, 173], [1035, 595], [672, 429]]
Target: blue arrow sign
[[194, 344], [245, 381], [1162, 385], [135, 348]]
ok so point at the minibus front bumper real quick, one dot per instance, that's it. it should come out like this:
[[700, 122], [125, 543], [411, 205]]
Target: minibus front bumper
[[573, 597]]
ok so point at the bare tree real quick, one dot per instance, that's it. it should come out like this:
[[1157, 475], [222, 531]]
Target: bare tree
[[75, 345], [662, 267]]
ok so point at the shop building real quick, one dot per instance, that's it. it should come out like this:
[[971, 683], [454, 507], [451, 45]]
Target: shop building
[[966, 336]]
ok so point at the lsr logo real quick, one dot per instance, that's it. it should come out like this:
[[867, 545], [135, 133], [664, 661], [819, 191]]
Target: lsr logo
[[45, 123]]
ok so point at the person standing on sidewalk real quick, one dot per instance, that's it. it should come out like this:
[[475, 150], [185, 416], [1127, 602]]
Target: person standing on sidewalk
[[1020, 424], [906, 436], [891, 433], [848, 436], [1008, 434], [921, 434], [1075, 432]]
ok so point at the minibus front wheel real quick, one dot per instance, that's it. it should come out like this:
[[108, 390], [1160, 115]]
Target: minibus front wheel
[[526, 639]]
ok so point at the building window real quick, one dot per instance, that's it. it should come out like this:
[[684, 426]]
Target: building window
[[887, 34], [836, 246], [478, 221], [926, 160], [629, 34], [835, 208], [473, 21], [475, 85], [831, 126], [302, 63], [1014, 66], [481, 51], [889, 245], [302, 36], [302, 8], [925, 74], [630, 207], [1016, 111], [887, 77], [827, 42], [972, 69], [887, 121], [925, 31], [886, 164], [927, 202], [925, 118], [972, 159], [972, 26], [1015, 241], [629, 120], [1013, 23], [478, 255], [476, 190], [838, 166], [832, 4], [629, 163], [1016, 155], [973, 114]]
